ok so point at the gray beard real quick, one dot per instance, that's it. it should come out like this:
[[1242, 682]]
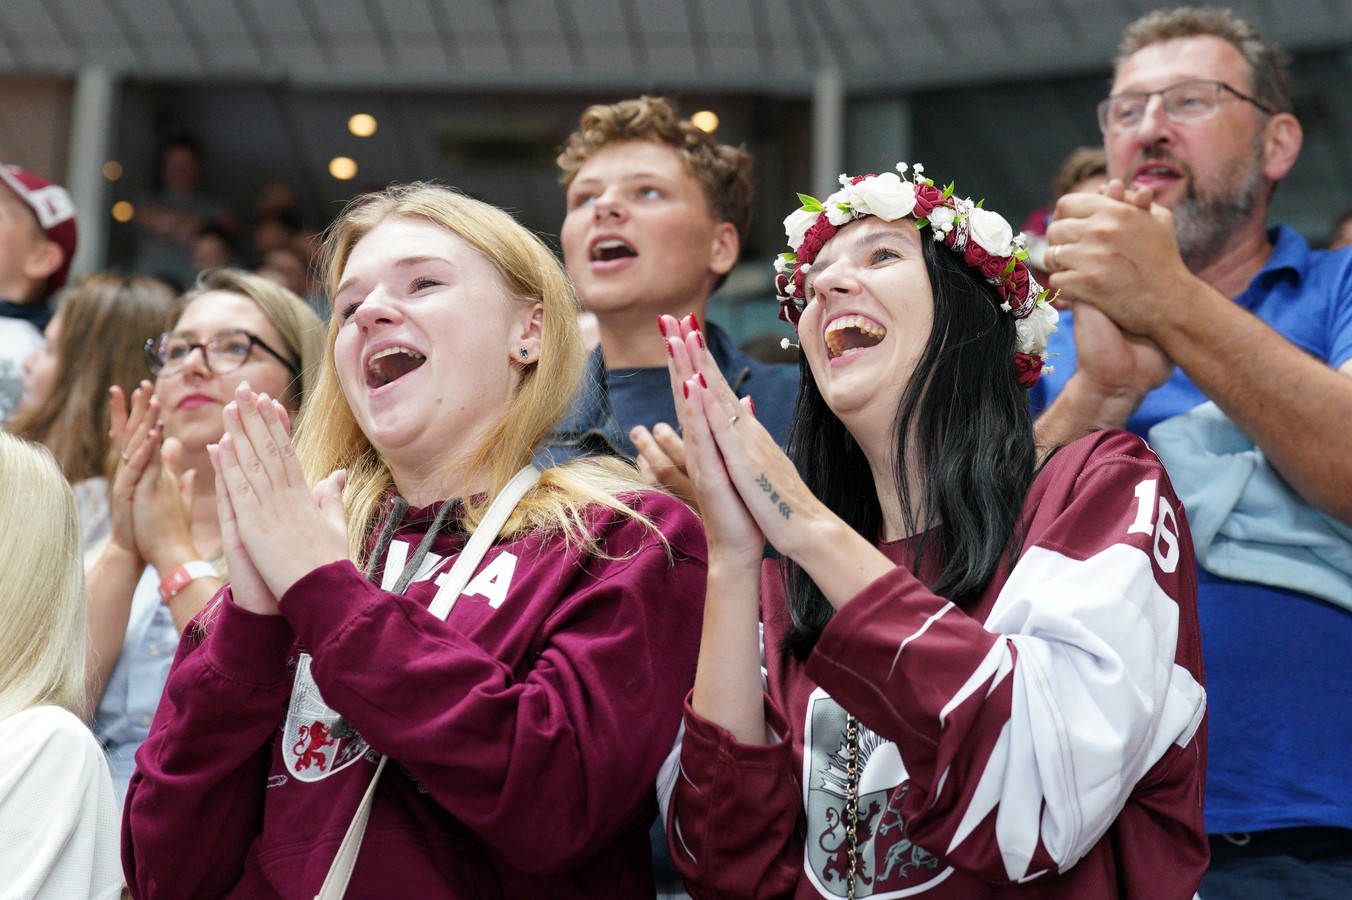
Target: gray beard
[[1203, 225]]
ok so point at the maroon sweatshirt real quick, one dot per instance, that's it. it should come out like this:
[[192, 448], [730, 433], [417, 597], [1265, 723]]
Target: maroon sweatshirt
[[524, 733], [1049, 742]]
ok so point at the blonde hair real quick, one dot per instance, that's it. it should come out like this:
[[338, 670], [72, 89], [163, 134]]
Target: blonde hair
[[300, 327], [329, 437], [43, 633], [105, 321]]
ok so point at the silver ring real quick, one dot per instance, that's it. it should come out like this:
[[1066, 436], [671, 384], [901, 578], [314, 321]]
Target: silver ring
[[733, 420], [125, 457]]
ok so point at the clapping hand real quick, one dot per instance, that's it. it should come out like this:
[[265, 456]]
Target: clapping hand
[[734, 461], [150, 502], [274, 527]]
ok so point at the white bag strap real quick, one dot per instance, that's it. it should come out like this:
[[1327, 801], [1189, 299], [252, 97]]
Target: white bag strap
[[335, 883]]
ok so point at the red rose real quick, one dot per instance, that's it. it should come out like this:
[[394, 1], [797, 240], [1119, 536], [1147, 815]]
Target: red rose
[[1028, 368], [816, 237], [926, 198]]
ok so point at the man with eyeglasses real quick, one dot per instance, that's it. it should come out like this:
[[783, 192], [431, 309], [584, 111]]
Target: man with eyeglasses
[[1181, 295]]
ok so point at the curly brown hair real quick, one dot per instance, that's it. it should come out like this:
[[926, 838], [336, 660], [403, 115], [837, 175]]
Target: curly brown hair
[[1267, 62], [723, 171]]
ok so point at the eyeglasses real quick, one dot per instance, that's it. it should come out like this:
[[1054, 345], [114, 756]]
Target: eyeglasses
[[226, 352], [1184, 103]]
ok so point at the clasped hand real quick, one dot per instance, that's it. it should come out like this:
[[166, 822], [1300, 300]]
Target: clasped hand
[[1118, 265], [747, 489], [274, 528]]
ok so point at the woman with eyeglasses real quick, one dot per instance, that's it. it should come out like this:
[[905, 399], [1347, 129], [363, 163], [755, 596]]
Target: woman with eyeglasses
[[163, 560]]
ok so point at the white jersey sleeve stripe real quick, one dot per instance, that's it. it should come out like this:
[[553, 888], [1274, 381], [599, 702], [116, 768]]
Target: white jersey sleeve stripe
[[918, 632], [1097, 700]]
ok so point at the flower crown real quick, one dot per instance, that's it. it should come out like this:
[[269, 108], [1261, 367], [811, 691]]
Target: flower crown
[[984, 239]]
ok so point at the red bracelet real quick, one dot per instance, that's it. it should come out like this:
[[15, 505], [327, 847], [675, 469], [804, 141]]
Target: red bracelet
[[183, 576]]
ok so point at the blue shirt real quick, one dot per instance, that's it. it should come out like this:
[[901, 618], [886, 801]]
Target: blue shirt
[[133, 691], [1278, 663]]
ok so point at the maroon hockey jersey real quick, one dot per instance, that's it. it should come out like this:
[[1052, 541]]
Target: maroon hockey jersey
[[1048, 742], [524, 733]]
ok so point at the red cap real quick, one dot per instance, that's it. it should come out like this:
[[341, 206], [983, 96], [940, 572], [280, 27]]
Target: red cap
[[55, 212]]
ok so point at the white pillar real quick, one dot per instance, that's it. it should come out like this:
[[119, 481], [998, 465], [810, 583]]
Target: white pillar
[[828, 131], [93, 120]]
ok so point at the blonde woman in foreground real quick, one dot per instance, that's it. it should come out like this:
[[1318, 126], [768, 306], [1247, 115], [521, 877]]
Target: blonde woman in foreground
[[526, 727], [58, 818]]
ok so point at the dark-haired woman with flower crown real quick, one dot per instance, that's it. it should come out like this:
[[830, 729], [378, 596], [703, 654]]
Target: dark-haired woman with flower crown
[[976, 672]]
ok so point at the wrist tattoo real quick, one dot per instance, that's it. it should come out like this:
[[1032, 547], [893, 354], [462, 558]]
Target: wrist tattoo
[[764, 484]]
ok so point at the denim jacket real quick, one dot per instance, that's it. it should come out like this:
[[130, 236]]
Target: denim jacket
[[591, 427], [133, 691]]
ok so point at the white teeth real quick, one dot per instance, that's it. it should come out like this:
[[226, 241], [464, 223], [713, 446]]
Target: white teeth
[[390, 351], [869, 327], [611, 248], [867, 334]]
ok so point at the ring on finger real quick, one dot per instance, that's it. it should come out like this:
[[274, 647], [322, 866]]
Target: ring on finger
[[733, 420]]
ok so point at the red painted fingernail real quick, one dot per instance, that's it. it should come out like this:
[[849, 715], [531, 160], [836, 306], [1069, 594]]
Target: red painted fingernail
[[666, 343], [661, 327], [692, 321], [750, 401], [702, 382], [685, 388], [699, 337]]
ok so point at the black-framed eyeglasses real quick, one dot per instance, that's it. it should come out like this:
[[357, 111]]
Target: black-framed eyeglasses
[[166, 353], [1184, 103]]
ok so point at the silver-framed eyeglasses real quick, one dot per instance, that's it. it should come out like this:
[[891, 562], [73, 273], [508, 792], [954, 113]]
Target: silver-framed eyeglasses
[[166, 353], [1184, 103]]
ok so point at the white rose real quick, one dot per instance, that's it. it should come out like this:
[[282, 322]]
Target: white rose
[[941, 218], [1033, 331], [885, 196], [796, 226], [991, 232]]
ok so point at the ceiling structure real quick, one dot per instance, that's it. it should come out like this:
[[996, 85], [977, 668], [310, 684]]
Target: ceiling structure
[[767, 46]]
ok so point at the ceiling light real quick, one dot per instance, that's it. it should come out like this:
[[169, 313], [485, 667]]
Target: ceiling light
[[343, 168], [362, 125], [706, 120]]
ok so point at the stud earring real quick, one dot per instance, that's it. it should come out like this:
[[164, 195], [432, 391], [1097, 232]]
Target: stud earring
[[525, 354]]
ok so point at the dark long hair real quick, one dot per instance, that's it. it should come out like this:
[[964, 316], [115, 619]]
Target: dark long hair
[[972, 433]]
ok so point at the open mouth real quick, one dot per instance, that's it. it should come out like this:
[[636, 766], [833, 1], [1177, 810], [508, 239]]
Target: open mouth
[[611, 249], [391, 364], [850, 334], [1156, 172]]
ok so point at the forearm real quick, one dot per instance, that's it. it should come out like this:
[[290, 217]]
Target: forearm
[[837, 558], [735, 827], [581, 726], [109, 584], [728, 688], [1289, 403], [1081, 408], [235, 682]]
